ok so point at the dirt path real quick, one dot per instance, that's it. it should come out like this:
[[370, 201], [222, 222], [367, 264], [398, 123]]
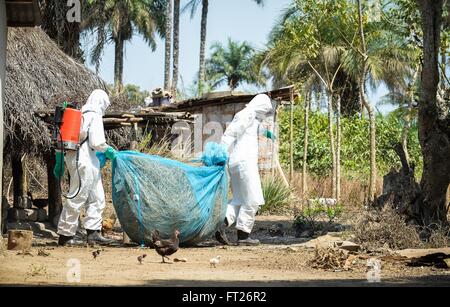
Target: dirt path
[[265, 265]]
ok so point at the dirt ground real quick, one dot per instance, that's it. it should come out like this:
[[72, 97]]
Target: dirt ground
[[279, 261]]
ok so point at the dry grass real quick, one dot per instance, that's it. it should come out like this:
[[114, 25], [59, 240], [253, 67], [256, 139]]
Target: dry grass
[[354, 191], [386, 229], [435, 236], [329, 259]]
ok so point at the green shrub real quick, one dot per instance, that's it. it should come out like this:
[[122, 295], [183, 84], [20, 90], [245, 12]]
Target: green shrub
[[277, 195], [355, 154], [316, 216]]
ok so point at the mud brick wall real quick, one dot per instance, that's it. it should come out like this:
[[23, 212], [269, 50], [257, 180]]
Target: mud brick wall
[[218, 117]]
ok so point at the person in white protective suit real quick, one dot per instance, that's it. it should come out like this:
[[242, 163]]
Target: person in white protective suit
[[241, 139], [86, 176]]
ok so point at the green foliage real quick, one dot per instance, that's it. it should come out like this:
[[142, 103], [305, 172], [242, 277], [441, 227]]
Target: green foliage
[[277, 195], [135, 95], [316, 212], [355, 155], [324, 35]]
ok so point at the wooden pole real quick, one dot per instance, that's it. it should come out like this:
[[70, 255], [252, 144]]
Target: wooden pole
[[274, 158], [24, 180], [17, 174], [338, 148]]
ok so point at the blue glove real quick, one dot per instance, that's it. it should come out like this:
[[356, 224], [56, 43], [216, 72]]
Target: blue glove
[[111, 153], [270, 135], [58, 171], [102, 158]]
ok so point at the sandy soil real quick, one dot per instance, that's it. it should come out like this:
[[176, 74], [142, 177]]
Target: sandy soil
[[281, 261]]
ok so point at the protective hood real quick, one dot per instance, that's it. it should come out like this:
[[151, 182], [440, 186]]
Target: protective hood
[[98, 102], [261, 105]]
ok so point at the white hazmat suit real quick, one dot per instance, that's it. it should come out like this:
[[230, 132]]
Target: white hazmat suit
[[241, 137], [91, 192]]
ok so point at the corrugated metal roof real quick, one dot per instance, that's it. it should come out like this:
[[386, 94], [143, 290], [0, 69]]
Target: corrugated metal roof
[[23, 13], [187, 105]]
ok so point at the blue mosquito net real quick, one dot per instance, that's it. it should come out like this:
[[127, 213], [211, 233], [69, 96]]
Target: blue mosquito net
[[151, 192]]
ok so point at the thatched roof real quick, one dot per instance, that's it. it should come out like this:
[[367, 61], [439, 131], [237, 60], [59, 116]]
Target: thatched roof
[[39, 76]]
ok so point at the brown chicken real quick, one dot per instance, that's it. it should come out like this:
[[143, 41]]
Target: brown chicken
[[167, 247], [107, 226]]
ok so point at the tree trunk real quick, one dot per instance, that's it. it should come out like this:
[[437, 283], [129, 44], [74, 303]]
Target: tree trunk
[[318, 101], [444, 67], [408, 117], [54, 191], [305, 145], [372, 137], [434, 130], [168, 41], [365, 102], [202, 65], [338, 147], [332, 148], [176, 46], [232, 84], [118, 63]]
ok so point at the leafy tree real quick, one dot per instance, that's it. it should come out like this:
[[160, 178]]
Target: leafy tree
[[135, 95]]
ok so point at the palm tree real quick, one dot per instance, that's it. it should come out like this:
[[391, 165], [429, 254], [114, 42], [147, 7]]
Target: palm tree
[[117, 21], [231, 64], [176, 46], [168, 43], [65, 33], [193, 5]]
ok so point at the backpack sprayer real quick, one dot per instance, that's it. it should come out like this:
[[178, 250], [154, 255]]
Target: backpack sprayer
[[66, 136]]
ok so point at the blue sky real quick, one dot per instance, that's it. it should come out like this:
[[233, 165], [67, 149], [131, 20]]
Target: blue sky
[[239, 19]]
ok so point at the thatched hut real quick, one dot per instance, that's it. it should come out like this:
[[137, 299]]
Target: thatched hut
[[38, 76]]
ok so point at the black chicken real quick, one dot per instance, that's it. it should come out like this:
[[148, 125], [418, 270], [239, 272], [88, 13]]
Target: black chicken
[[167, 247]]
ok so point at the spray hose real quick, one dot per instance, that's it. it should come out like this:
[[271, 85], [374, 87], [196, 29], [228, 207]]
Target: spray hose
[[66, 196]]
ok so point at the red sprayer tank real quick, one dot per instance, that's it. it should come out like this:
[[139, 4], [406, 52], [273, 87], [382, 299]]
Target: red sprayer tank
[[70, 128]]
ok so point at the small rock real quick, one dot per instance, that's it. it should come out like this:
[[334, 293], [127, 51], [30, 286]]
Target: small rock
[[30, 215], [347, 245], [36, 227], [43, 253], [42, 215], [276, 230]]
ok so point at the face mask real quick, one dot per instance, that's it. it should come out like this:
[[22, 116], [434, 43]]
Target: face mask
[[260, 115]]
